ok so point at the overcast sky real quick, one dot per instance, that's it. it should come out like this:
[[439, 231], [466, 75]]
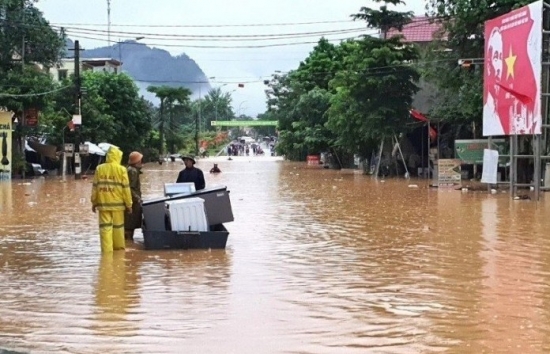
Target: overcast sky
[[229, 66]]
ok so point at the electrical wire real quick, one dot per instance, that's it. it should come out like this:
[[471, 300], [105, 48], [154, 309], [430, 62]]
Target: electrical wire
[[208, 36], [217, 46], [101, 34], [225, 37], [373, 71], [369, 72], [190, 39], [205, 26], [34, 94]]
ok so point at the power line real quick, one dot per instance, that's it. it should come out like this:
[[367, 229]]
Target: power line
[[205, 26], [164, 36], [379, 70], [217, 46], [171, 37], [101, 33], [34, 94]]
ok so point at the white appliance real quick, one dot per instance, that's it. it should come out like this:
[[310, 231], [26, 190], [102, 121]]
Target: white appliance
[[187, 215], [171, 189]]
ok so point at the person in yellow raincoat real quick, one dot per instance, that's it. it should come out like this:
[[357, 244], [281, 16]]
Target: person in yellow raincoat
[[110, 197]]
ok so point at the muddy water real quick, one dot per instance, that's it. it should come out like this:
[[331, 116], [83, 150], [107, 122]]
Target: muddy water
[[317, 261]]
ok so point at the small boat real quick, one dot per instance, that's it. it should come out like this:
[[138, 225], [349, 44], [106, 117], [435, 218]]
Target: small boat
[[189, 220]]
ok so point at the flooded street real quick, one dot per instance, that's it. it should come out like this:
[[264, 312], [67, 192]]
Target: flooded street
[[317, 261]]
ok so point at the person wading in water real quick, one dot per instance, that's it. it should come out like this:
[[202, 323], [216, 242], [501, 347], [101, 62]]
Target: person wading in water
[[191, 174], [133, 221]]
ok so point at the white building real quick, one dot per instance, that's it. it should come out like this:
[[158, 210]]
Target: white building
[[66, 67]]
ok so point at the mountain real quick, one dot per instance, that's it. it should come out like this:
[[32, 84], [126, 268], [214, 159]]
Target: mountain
[[152, 66]]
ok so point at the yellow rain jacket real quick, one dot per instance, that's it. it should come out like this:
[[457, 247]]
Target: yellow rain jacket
[[111, 188]]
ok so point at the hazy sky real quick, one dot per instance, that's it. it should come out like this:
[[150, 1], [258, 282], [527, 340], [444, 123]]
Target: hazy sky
[[229, 66]]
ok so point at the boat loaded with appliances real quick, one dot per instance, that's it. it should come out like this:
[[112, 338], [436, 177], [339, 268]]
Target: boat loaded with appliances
[[187, 219]]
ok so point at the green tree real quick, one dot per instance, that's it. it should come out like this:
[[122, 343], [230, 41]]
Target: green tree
[[26, 38], [216, 106], [374, 91], [112, 111], [267, 130], [123, 102], [174, 108], [308, 134], [320, 67], [26, 88], [22, 23], [299, 101], [383, 18]]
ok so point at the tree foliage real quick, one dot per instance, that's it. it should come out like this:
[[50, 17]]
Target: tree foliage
[[22, 23], [384, 18], [112, 111], [299, 100], [374, 93], [174, 109], [216, 105], [344, 98], [25, 88], [25, 34]]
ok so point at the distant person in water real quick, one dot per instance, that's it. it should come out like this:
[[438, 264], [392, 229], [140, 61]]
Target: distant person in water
[[191, 174], [215, 169]]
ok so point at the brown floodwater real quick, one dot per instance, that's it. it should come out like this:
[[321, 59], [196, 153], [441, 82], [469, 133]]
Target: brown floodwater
[[317, 261]]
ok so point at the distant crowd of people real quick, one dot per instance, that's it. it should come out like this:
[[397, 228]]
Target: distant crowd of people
[[239, 149]]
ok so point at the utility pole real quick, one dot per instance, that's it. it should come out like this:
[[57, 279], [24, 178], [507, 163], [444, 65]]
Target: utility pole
[[109, 22], [78, 95], [22, 138], [197, 124]]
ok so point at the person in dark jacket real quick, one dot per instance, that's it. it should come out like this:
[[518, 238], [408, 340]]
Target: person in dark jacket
[[191, 174], [132, 221]]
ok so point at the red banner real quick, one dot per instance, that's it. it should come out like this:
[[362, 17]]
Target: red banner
[[419, 116]]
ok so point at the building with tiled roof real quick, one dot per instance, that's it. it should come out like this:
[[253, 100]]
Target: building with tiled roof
[[422, 30]]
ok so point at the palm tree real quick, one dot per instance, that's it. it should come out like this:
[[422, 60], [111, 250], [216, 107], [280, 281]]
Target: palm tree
[[217, 106], [174, 104]]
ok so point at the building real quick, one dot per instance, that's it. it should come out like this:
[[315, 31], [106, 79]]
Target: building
[[422, 31], [66, 67]]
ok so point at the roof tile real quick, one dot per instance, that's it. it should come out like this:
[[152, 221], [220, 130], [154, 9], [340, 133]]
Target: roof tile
[[420, 30]]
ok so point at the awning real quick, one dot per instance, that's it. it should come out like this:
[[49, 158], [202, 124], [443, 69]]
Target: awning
[[94, 149], [43, 149], [105, 146]]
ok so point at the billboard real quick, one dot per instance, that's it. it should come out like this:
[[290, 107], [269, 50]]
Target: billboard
[[512, 72], [5, 145]]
